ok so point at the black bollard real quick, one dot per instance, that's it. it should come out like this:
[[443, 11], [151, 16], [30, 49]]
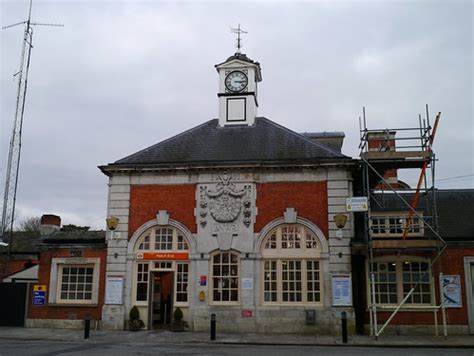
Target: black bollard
[[344, 327], [87, 327], [213, 327]]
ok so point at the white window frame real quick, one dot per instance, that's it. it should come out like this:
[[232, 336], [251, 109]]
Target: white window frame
[[303, 254], [399, 261], [177, 244], [55, 280], [384, 222], [211, 282]]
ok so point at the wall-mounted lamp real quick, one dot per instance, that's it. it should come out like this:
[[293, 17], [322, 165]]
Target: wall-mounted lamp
[[112, 223], [340, 221]]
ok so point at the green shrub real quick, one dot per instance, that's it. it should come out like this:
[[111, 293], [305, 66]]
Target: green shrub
[[178, 314], [134, 313]]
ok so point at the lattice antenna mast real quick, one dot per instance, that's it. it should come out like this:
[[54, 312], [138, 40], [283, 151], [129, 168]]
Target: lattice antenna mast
[[238, 31], [14, 153]]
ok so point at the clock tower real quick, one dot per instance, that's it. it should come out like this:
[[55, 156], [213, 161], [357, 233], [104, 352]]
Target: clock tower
[[238, 78]]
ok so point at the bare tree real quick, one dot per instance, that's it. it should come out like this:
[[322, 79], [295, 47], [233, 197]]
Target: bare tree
[[32, 223]]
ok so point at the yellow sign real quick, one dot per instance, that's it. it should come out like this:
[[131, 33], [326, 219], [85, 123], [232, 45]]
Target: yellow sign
[[39, 288], [202, 296]]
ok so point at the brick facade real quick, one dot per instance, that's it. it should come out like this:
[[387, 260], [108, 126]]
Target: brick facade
[[309, 199], [63, 311], [147, 200]]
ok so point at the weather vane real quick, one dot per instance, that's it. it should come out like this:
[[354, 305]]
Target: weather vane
[[238, 31]]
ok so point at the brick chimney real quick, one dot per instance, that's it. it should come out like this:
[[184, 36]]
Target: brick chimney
[[383, 141], [49, 224]]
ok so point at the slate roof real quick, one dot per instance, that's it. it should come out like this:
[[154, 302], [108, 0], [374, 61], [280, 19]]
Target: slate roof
[[75, 237], [209, 144], [455, 211], [30, 242], [240, 57], [24, 242]]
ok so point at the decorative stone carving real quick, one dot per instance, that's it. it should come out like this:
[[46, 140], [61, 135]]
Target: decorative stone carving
[[290, 216], [225, 203], [162, 217]]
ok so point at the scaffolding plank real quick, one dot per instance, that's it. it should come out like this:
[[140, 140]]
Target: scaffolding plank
[[375, 155], [397, 244]]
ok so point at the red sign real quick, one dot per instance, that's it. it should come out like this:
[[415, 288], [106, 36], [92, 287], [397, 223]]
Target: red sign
[[163, 256], [246, 313]]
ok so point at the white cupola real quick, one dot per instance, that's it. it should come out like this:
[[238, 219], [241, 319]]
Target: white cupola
[[238, 78]]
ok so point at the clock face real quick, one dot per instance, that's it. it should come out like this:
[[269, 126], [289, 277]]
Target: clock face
[[236, 81]]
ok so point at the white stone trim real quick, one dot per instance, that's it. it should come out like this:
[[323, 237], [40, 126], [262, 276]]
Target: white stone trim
[[54, 282], [299, 220], [149, 224]]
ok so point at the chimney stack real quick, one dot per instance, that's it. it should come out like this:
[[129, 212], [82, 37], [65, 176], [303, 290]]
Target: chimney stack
[[49, 224]]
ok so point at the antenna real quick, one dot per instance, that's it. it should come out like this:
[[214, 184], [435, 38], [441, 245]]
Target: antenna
[[14, 154], [238, 31]]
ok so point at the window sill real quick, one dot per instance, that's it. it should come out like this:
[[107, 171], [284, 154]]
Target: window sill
[[408, 308], [75, 305]]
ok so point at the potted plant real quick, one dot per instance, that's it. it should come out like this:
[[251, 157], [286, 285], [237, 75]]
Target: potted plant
[[178, 323], [134, 321]]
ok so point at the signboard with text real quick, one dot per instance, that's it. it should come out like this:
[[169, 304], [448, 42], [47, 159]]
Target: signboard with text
[[170, 256], [39, 294], [341, 289], [114, 290], [451, 290], [357, 204]]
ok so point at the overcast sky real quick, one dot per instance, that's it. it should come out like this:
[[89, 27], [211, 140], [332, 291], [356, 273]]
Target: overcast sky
[[123, 75]]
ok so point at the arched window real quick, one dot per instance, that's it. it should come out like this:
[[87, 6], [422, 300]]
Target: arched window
[[291, 266], [225, 277], [162, 239]]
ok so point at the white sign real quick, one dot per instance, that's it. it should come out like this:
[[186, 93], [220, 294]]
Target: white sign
[[341, 289], [452, 291], [247, 283], [114, 290], [357, 204]]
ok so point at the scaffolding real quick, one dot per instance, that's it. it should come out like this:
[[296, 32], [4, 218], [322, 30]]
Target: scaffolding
[[382, 152]]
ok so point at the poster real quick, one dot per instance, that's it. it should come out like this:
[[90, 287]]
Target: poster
[[341, 289], [114, 290], [39, 294], [451, 289], [247, 283]]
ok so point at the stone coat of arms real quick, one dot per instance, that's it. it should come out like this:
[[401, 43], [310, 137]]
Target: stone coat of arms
[[226, 202]]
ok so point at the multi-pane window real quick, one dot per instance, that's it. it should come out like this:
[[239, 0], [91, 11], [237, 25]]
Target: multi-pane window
[[225, 277], [76, 283], [385, 282], [291, 281], [394, 279], [291, 270], [142, 281], [414, 272], [270, 281], [145, 243], [182, 282], [291, 236], [182, 244], [162, 239], [313, 282], [392, 225]]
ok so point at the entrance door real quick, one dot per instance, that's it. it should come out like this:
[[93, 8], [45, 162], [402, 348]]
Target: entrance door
[[13, 303], [469, 277], [161, 299]]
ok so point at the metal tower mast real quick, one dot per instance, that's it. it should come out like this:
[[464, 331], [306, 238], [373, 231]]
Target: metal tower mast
[[14, 153]]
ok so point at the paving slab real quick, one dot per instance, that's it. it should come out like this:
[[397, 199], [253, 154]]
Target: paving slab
[[187, 337]]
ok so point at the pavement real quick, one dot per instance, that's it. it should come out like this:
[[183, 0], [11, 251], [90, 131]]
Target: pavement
[[168, 337]]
